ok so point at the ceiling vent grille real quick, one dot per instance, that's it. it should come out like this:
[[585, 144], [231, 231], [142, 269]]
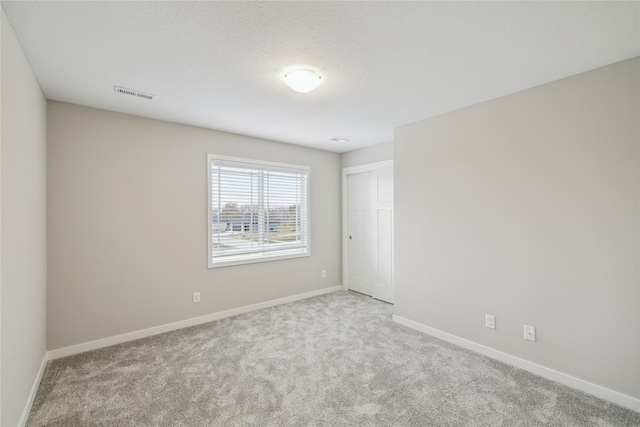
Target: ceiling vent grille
[[135, 93]]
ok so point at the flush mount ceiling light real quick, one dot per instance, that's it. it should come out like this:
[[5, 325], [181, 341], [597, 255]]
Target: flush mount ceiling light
[[302, 81], [336, 139]]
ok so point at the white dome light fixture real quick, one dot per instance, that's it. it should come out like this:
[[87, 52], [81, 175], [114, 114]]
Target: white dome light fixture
[[302, 80]]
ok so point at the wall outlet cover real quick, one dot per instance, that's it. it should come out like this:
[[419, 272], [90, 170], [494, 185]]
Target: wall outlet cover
[[529, 333], [490, 321]]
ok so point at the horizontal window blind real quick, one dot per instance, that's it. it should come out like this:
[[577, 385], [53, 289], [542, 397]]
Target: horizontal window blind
[[258, 210]]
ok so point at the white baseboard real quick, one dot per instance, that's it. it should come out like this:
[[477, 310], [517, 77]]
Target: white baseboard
[[594, 389], [34, 390], [143, 333]]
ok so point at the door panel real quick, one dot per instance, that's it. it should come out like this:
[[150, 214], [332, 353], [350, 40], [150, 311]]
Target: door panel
[[359, 268], [383, 236]]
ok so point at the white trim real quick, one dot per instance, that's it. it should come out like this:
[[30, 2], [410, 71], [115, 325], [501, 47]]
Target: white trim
[[143, 333], [260, 164], [34, 390], [369, 167], [562, 378], [385, 164], [260, 257]]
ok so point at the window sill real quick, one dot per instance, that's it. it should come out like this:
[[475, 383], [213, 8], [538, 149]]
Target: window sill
[[258, 257]]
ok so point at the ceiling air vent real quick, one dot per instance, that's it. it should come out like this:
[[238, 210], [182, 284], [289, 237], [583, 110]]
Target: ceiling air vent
[[135, 93], [336, 139]]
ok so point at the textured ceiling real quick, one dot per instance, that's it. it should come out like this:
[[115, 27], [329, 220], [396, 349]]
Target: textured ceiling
[[220, 65]]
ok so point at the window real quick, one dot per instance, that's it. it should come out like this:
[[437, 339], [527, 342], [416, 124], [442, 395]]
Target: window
[[258, 211]]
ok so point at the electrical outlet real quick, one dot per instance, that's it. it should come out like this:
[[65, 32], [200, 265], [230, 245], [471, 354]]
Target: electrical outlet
[[529, 333], [196, 297], [490, 321], [324, 274]]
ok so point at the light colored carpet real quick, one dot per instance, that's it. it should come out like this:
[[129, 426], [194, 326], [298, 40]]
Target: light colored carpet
[[332, 360]]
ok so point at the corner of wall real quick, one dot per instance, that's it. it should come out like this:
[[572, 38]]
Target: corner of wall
[[22, 229], [372, 154]]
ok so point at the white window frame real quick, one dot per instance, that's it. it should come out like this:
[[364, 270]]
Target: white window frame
[[258, 256]]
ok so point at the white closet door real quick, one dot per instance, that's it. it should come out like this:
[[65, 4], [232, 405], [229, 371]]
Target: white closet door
[[360, 254], [382, 235], [368, 220]]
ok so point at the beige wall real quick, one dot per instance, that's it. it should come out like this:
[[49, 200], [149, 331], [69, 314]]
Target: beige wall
[[526, 207], [128, 225], [375, 153], [23, 228]]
